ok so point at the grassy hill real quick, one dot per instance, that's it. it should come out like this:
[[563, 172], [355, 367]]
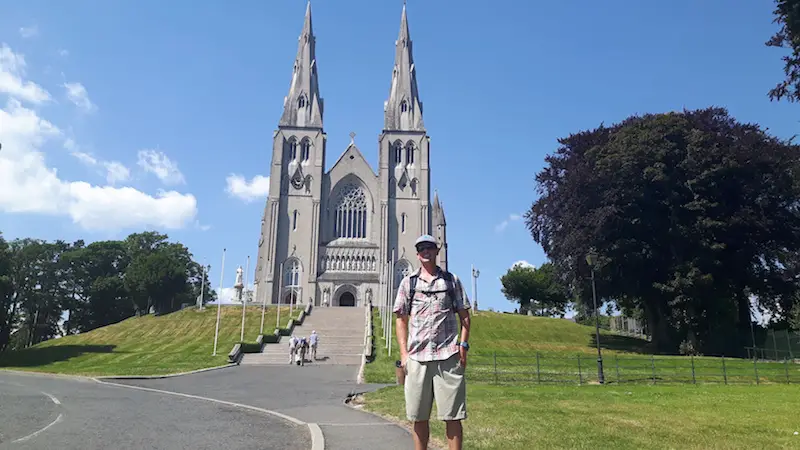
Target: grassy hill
[[148, 345], [512, 348]]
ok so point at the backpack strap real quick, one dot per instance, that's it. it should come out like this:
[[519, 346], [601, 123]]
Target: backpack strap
[[448, 280]]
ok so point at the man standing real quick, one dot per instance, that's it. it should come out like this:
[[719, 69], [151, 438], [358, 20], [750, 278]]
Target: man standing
[[426, 306]]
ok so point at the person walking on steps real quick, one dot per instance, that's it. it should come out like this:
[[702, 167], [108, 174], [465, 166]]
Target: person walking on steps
[[314, 340], [292, 348], [429, 305]]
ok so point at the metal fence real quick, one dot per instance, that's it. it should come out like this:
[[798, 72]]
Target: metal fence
[[543, 368]]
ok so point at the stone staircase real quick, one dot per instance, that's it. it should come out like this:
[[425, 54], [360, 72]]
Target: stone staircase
[[341, 339]]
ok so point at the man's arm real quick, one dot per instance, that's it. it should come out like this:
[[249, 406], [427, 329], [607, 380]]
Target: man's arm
[[463, 315], [401, 331], [402, 308]]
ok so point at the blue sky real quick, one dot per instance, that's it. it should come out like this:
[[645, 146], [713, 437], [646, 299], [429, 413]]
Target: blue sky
[[130, 115]]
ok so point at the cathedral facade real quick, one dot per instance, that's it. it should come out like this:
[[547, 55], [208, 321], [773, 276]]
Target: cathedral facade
[[346, 236]]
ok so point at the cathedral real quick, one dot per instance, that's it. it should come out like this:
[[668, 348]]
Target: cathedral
[[346, 236]]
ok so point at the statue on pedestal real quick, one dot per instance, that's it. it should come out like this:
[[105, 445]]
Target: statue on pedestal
[[239, 285]]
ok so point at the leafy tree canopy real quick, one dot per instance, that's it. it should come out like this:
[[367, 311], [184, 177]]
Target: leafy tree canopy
[[536, 290], [691, 212], [787, 15]]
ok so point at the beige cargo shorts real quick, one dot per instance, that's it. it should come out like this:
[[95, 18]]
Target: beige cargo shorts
[[440, 380]]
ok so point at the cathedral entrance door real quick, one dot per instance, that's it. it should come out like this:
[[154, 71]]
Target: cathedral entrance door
[[347, 299]]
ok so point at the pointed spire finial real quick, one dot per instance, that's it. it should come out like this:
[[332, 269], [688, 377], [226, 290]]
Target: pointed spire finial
[[352, 138], [403, 109], [303, 106]]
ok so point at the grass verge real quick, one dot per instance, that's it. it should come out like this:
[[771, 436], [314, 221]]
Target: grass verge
[[178, 342], [620, 417]]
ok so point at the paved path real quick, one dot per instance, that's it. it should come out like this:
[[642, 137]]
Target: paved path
[[43, 412], [313, 393]]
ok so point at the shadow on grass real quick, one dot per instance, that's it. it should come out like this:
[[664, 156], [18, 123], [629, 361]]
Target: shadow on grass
[[33, 357], [621, 343]]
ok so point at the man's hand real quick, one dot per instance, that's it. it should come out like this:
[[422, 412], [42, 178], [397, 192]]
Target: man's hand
[[462, 356], [404, 360]]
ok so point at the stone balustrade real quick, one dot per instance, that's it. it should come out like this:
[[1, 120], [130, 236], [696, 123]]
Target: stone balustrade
[[349, 259]]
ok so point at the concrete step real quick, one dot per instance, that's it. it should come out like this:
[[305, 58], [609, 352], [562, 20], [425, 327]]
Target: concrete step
[[253, 359]]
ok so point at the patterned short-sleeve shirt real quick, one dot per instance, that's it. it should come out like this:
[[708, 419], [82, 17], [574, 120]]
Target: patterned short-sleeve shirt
[[433, 323]]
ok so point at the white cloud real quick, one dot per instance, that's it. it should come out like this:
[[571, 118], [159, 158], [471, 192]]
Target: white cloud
[[523, 263], [500, 227], [77, 94], [115, 171], [63, 52], [255, 189], [12, 69], [161, 166], [28, 185], [29, 32]]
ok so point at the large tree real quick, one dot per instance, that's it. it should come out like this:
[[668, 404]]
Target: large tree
[[691, 213], [787, 15], [535, 289], [7, 304]]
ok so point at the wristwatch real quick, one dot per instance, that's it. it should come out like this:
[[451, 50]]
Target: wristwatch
[[464, 344]]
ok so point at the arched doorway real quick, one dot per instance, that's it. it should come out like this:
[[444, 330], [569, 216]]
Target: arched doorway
[[347, 299]]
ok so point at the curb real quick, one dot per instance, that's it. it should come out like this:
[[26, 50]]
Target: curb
[[317, 439], [155, 377], [114, 377]]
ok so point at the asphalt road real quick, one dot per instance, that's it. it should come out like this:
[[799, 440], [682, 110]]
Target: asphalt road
[[313, 394], [45, 412]]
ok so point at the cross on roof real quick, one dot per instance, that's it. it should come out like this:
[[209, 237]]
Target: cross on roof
[[352, 137]]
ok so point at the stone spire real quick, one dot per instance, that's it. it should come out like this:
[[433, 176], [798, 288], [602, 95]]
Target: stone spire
[[303, 106], [403, 110], [438, 211]]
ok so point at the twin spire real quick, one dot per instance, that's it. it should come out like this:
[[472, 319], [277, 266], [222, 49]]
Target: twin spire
[[303, 106]]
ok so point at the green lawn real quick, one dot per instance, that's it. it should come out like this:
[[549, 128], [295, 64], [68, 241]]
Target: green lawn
[[148, 345], [513, 349], [618, 417]]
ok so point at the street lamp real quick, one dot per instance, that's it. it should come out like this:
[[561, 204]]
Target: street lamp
[[591, 260]]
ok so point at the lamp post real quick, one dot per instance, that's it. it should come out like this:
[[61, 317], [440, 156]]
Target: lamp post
[[591, 260], [475, 274]]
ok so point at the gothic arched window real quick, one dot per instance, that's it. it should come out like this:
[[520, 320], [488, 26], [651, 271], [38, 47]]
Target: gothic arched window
[[401, 270], [292, 149], [301, 103], [403, 223], [294, 220], [305, 148], [410, 153], [292, 273], [403, 106], [398, 153], [350, 220]]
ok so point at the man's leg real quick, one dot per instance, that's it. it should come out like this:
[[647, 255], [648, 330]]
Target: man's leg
[[421, 434], [450, 391], [455, 434], [419, 400]]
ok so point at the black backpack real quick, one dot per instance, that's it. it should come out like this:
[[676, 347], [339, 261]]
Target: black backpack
[[448, 280]]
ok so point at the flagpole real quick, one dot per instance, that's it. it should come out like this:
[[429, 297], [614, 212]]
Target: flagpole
[[280, 296], [244, 299], [391, 291], [219, 301], [263, 311]]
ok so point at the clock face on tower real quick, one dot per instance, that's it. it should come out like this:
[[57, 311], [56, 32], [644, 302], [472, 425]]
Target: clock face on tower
[[297, 181]]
